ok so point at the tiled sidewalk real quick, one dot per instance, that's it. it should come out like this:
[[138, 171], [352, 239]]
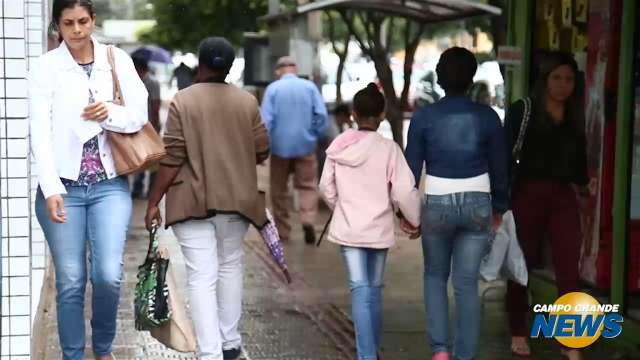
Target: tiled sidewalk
[[308, 319], [274, 325]]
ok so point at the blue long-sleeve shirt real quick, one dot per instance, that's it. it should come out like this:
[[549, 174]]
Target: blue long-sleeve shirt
[[295, 115], [456, 138]]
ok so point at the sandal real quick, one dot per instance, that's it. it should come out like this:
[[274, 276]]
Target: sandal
[[520, 347]]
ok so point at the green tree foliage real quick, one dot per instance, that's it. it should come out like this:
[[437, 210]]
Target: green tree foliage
[[122, 10], [377, 34], [182, 24], [103, 11], [339, 36], [143, 10]]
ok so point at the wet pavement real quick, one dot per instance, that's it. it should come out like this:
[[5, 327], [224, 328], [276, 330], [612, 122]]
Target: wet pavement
[[274, 326], [405, 336], [309, 319]]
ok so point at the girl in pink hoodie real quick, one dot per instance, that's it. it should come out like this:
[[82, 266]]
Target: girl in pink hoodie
[[364, 178]]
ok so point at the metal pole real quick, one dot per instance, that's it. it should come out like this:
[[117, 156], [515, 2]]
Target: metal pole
[[519, 34], [624, 131]]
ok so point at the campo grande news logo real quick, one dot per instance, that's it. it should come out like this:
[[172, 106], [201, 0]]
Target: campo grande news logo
[[577, 320]]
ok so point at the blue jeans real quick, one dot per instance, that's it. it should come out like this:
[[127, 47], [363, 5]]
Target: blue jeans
[[455, 228], [365, 268], [97, 218]]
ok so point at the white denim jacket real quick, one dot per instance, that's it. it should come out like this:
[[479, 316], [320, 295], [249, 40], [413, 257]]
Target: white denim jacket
[[58, 93]]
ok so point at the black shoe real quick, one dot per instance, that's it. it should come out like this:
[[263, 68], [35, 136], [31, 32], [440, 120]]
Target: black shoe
[[309, 234], [231, 354]]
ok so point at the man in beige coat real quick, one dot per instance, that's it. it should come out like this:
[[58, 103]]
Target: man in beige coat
[[214, 139]]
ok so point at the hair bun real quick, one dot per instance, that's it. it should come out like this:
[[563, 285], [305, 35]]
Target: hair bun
[[218, 61], [369, 102]]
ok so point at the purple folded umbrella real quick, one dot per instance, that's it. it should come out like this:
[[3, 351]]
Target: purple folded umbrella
[[272, 239]]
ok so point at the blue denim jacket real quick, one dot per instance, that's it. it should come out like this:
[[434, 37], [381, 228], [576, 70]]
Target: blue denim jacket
[[457, 138]]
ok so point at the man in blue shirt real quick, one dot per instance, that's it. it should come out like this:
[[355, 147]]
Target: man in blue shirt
[[295, 115]]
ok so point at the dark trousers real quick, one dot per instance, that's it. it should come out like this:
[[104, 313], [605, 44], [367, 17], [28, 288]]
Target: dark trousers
[[545, 209], [305, 180]]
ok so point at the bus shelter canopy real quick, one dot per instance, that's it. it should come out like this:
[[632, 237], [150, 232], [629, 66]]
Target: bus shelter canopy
[[426, 11]]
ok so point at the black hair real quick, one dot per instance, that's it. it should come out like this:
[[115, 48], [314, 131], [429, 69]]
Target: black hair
[[548, 63], [216, 54], [140, 62], [342, 109], [574, 108], [456, 68], [53, 32], [60, 5], [369, 102]]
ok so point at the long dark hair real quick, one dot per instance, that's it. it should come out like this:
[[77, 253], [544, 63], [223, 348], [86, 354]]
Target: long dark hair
[[574, 106]]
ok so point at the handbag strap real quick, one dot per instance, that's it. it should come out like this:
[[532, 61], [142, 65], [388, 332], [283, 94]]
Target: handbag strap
[[523, 129], [117, 90]]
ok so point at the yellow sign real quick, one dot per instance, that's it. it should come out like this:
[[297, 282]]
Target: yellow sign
[[577, 320]]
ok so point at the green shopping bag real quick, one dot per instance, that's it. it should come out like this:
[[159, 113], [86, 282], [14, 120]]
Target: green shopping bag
[[152, 293]]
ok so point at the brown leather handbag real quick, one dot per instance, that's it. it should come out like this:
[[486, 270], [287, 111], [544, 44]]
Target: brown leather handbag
[[134, 152]]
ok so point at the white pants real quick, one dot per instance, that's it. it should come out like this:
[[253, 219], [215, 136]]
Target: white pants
[[212, 250]]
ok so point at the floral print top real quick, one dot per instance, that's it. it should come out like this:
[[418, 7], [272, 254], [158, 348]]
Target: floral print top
[[91, 169]]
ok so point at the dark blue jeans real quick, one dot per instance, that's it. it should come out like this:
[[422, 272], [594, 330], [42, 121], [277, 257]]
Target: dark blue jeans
[[455, 229]]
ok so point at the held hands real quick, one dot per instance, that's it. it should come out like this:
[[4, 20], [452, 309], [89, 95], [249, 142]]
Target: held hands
[[97, 112], [407, 227], [153, 217], [55, 209]]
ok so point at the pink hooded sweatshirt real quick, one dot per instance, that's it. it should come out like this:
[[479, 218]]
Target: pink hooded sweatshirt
[[364, 177]]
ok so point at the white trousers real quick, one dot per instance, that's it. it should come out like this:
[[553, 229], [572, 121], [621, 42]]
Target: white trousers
[[212, 250]]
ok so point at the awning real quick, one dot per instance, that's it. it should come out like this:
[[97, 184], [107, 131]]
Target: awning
[[427, 11]]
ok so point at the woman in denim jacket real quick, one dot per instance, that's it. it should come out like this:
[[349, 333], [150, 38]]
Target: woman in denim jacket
[[463, 147], [81, 202]]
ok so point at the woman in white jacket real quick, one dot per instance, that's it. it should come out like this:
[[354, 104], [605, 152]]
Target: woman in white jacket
[[81, 201]]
